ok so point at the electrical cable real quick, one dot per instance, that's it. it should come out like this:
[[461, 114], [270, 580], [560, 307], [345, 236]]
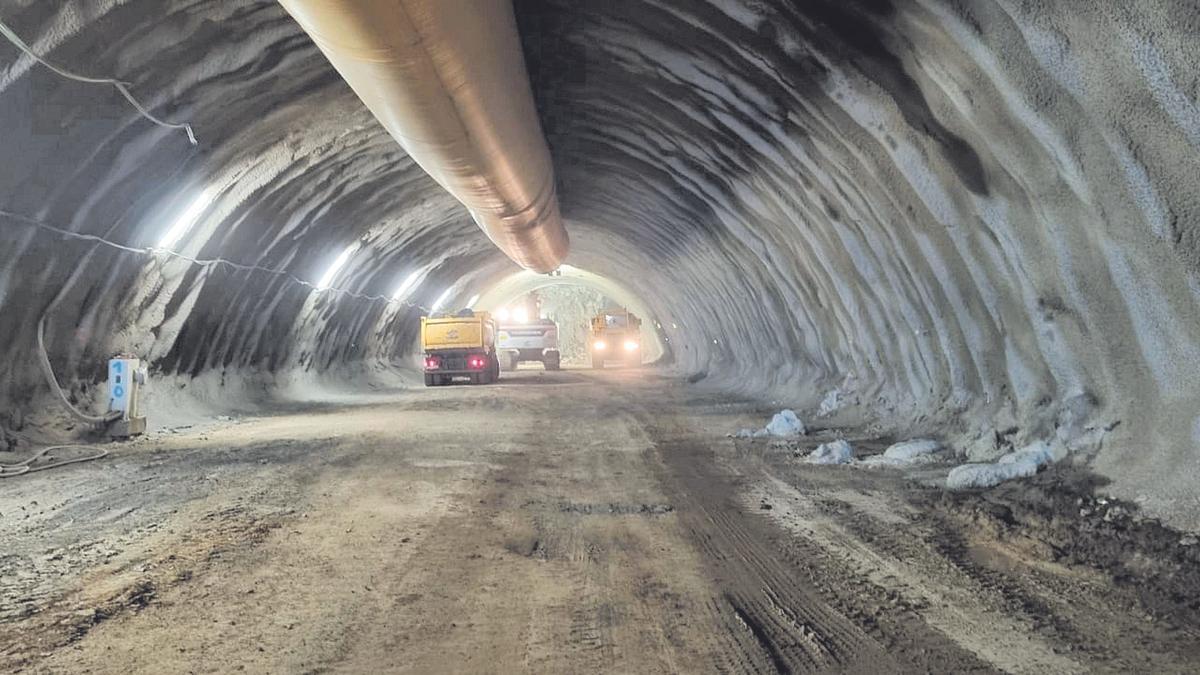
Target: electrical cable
[[202, 262], [26, 465], [48, 371], [120, 86], [44, 358]]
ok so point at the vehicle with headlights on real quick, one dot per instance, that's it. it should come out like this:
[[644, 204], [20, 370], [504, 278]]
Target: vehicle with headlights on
[[528, 340], [616, 337], [459, 346]]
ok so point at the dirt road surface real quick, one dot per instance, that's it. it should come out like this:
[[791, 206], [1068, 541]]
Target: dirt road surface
[[570, 522]]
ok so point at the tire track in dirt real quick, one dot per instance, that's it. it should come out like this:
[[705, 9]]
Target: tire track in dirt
[[606, 527], [929, 600], [787, 605], [599, 520], [1012, 602], [791, 628]]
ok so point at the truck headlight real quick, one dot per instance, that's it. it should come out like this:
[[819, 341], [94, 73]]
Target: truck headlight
[[631, 345], [599, 345]]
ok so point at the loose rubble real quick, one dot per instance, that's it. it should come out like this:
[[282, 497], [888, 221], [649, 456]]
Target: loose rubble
[[906, 453], [909, 450], [785, 424], [831, 403], [1020, 464], [834, 452]]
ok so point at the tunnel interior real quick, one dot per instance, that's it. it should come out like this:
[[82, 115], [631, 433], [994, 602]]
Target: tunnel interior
[[572, 297], [971, 219]]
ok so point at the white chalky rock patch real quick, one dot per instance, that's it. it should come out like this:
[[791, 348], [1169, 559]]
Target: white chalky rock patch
[[834, 452], [1020, 464]]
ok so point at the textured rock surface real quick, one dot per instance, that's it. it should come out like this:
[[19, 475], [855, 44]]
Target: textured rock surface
[[985, 212]]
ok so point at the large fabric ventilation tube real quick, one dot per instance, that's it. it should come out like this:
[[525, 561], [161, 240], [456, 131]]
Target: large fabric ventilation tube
[[447, 79]]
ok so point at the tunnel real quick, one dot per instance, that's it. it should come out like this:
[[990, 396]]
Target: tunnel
[[973, 222]]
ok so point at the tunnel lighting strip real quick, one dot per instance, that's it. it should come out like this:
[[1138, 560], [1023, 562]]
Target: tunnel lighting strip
[[187, 219], [409, 283], [437, 304], [338, 264], [121, 86], [202, 262]]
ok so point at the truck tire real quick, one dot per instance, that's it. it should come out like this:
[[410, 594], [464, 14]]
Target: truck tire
[[511, 362], [494, 368], [429, 379], [552, 361]]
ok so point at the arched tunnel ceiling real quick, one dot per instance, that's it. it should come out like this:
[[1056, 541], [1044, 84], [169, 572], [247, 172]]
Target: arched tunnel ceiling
[[981, 214]]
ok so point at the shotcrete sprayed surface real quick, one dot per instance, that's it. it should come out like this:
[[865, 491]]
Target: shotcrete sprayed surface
[[977, 219]]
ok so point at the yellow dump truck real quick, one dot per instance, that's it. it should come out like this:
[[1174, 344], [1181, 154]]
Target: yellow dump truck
[[616, 336], [459, 346]]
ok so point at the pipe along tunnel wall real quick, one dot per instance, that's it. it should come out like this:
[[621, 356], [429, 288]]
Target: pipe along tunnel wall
[[976, 219]]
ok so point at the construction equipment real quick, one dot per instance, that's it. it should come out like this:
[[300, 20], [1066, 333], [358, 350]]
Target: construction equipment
[[461, 345], [526, 337], [616, 336], [126, 376], [535, 340]]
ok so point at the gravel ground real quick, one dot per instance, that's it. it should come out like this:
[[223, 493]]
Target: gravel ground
[[569, 522]]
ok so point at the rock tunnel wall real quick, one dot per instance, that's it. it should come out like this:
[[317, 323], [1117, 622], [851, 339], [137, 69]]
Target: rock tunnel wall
[[979, 212], [978, 217]]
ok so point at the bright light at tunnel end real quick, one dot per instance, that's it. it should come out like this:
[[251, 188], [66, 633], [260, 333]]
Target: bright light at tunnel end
[[503, 297]]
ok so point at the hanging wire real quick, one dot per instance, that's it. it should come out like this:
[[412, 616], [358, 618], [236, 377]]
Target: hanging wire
[[121, 86], [202, 262]]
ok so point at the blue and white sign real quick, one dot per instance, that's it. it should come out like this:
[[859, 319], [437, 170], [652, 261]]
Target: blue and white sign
[[120, 376]]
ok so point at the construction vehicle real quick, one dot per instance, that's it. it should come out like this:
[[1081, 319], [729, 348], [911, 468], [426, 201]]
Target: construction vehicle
[[531, 340], [526, 337], [616, 336], [461, 345]]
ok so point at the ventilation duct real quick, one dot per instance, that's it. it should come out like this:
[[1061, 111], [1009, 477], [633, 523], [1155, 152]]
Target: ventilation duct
[[448, 81]]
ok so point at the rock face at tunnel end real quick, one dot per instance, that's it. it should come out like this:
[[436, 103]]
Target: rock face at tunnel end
[[976, 218]]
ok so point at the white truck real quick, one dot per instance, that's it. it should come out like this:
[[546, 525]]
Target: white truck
[[535, 340]]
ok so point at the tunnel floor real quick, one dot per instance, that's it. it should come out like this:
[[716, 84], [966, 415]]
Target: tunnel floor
[[567, 522]]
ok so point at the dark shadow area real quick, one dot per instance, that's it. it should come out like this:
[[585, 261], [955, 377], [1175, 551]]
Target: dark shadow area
[[1060, 516]]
